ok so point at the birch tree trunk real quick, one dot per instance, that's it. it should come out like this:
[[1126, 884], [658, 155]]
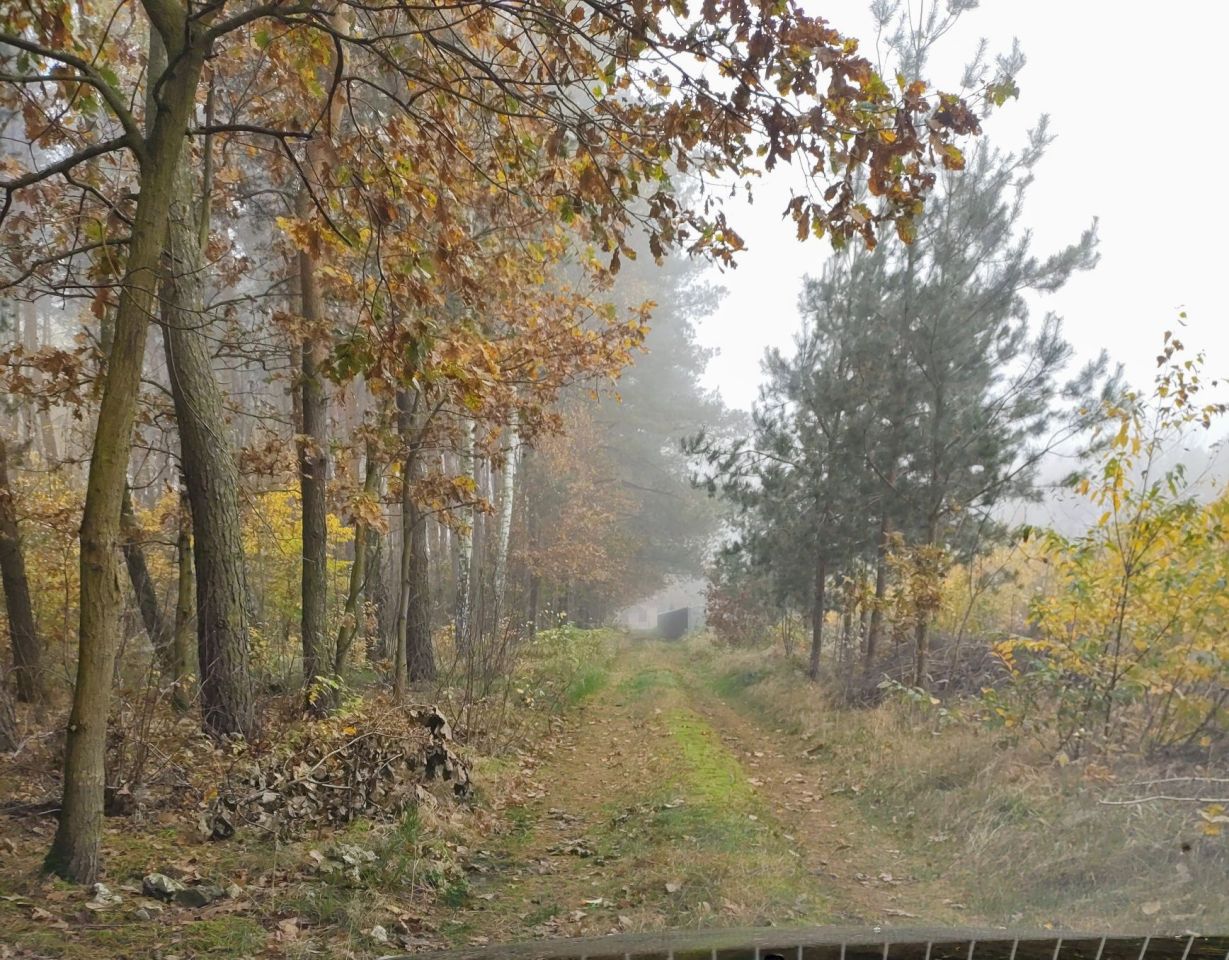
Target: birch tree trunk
[[465, 536], [507, 497]]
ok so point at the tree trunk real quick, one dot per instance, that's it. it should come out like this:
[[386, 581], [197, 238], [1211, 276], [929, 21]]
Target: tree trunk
[[74, 852], [377, 594], [27, 655], [210, 473], [863, 620], [535, 591], [358, 569], [181, 646], [420, 650], [40, 415], [507, 498], [8, 720], [156, 627], [875, 632], [465, 539], [313, 474], [403, 592], [846, 633], [415, 586], [921, 636], [921, 630], [817, 618]]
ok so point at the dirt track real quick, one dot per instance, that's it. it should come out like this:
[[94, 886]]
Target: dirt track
[[661, 805]]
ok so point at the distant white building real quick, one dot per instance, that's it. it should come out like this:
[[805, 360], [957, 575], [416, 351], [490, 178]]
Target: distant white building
[[642, 615]]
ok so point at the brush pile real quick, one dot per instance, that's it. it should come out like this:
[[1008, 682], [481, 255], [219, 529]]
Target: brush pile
[[373, 762]]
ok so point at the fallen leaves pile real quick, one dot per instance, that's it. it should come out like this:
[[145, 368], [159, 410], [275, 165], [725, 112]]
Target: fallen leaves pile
[[372, 762]]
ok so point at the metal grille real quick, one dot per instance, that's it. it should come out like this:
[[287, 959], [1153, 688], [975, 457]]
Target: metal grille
[[772, 944]]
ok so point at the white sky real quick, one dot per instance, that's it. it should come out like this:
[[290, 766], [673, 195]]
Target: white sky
[[1129, 89]]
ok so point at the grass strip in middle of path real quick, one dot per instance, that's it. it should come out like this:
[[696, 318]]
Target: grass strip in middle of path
[[718, 854]]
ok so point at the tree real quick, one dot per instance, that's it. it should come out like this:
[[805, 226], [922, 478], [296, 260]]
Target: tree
[[368, 526], [74, 851], [581, 551], [934, 430], [985, 395], [206, 456], [184, 654], [507, 500], [1130, 649], [414, 628], [313, 450], [796, 480], [8, 720]]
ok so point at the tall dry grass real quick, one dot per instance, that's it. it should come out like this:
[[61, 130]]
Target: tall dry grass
[[1039, 840]]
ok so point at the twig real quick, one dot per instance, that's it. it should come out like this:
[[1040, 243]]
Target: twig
[[1138, 800]]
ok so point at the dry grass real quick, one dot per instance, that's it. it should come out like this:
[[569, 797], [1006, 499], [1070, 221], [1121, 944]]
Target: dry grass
[[288, 905], [995, 816]]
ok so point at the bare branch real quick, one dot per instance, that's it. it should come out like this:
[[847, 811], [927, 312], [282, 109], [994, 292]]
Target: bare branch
[[1160, 797]]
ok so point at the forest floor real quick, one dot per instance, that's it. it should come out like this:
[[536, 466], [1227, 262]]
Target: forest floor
[[662, 805], [682, 788]]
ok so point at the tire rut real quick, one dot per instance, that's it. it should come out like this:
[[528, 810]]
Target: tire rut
[[661, 806]]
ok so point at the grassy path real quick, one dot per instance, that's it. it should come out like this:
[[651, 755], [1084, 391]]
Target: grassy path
[[663, 806]]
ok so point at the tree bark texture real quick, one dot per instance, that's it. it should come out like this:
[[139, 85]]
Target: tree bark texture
[[183, 652], [210, 474], [313, 474], [415, 585], [27, 654], [507, 499], [875, 632]]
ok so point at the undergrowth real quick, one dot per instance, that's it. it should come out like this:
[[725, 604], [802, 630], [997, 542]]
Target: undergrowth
[[295, 897], [994, 814]]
